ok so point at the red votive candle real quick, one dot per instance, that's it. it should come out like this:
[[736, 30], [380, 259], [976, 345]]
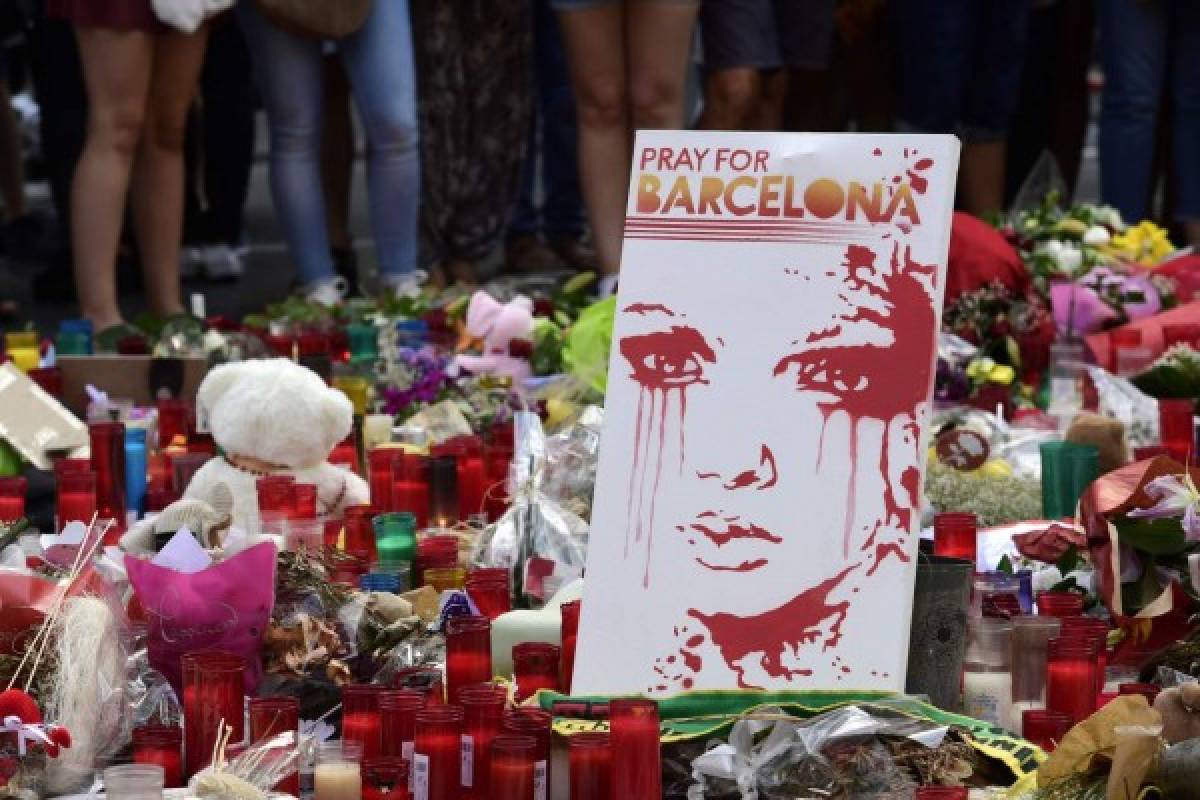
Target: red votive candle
[[212, 693], [275, 494], [437, 754], [1175, 427], [942, 793], [1094, 631], [468, 653], [174, 418], [1044, 728], [483, 709], [398, 721], [360, 717], [359, 533], [635, 746], [1071, 677], [954, 535], [1060, 604], [304, 501], [498, 457], [471, 480], [488, 589], [512, 768], [591, 766], [12, 498], [271, 716], [379, 476], [385, 778], [434, 552], [536, 666], [410, 487], [570, 632], [50, 379], [108, 462], [532, 722], [76, 497], [161, 745]]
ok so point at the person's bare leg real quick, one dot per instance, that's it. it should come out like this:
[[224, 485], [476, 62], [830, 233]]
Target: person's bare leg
[[660, 42], [116, 68], [731, 98], [12, 168], [337, 154], [157, 186], [981, 177], [768, 116]]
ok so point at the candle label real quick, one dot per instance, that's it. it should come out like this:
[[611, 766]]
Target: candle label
[[468, 762], [540, 784], [420, 771]]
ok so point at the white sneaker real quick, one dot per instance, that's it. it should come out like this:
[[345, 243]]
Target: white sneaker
[[191, 261], [407, 284], [329, 292], [222, 263], [606, 286]]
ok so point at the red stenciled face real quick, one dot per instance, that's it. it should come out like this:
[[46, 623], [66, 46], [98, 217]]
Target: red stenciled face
[[724, 460]]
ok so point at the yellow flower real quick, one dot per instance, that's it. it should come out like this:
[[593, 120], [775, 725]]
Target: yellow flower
[[1145, 243], [988, 371]]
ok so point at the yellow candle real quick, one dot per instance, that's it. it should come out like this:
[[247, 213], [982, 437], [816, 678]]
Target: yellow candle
[[338, 780]]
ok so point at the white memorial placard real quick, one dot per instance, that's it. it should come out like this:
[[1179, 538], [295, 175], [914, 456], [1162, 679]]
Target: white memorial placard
[[757, 504]]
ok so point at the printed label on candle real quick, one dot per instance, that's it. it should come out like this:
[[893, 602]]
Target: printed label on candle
[[420, 770], [539, 781], [468, 762], [406, 750]]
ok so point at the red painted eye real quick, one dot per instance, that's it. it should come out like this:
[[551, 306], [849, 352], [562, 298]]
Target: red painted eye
[[668, 359]]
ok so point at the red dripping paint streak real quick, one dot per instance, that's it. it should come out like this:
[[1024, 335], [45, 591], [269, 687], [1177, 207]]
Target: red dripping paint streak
[[691, 660], [645, 467], [745, 566], [662, 427], [775, 633], [918, 182], [851, 490], [648, 308], [682, 428], [637, 446], [923, 164], [876, 152]]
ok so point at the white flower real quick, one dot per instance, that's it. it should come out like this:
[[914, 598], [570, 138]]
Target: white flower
[[1096, 236], [1046, 578], [1066, 255], [1109, 216]]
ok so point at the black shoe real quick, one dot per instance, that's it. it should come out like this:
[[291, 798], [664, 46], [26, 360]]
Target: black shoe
[[345, 263]]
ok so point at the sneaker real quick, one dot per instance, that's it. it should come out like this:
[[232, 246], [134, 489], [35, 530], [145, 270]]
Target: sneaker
[[191, 262], [329, 292], [407, 284], [345, 263], [222, 263], [606, 286]]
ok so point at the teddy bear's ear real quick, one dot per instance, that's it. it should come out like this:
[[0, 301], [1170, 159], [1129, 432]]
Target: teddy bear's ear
[[213, 387], [481, 313], [337, 417]]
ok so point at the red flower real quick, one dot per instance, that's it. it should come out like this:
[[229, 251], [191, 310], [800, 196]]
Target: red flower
[[1049, 545]]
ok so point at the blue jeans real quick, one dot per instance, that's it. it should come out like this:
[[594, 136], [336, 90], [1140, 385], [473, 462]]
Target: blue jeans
[[962, 64], [379, 63], [554, 129], [1135, 38]]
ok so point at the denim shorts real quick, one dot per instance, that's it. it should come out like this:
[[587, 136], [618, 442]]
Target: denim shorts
[[767, 34], [568, 5]]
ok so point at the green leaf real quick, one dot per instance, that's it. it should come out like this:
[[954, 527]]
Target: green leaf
[[1005, 566], [1069, 561], [1065, 585], [1154, 536], [1137, 594]]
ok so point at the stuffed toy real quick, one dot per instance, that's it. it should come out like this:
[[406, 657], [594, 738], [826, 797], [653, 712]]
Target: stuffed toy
[[500, 325], [272, 416], [1180, 710], [1106, 434]]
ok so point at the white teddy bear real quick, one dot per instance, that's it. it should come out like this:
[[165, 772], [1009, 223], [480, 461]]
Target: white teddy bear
[[273, 416]]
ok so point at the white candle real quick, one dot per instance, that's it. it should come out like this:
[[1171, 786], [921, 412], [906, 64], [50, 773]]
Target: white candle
[[338, 780], [987, 696]]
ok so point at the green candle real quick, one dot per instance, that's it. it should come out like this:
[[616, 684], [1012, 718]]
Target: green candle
[[396, 537]]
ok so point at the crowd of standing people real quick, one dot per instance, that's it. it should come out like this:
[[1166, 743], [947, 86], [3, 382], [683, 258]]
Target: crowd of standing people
[[510, 122]]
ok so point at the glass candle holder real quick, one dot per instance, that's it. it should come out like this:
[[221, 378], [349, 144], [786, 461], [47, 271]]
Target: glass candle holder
[[395, 537], [437, 753], [537, 666], [76, 498], [398, 721], [1176, 427], [1030, 638], [12, 498], [434, 552], [526, 721], [380, 463], [174, 421], [1094, 631], [634, 733], [512, 768], [1044, 727], [427, 681], [470, 476], [108, 462], [1060, 604], [987, 672], [443, 490], [271, 716], [385, 778], [444, 579], [942, 793], [468, 653], [590, 757], [954, 535], [213, 687], [275, 494], [570, 633], [338, 774], [136, 469], [161, 745], [361, 722], [1071, 677], [410, 487], [483, 710], [358, 534], [134, 782], [489, 590], [304, 501], [183, 467]]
